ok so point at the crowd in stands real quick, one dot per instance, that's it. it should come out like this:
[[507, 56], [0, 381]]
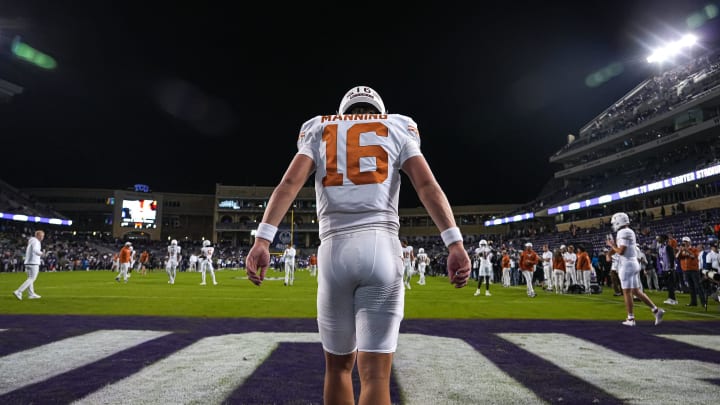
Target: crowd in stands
[[659, 94], [14, 201]]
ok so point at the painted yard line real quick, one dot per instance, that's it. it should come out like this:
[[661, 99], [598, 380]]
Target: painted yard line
[[206, 372], [710, 342], [463, 364], [632, 380], [43, 362]]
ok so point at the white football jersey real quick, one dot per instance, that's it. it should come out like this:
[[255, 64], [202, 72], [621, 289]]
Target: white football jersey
[[407, 253], [485, 255], [547, 259], [570, 259], [357, 167], [626, 237], [422, 258], [207, 251], [174, 253], [289, 254]]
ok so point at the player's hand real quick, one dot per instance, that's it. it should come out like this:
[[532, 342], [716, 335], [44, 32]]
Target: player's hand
[[458, 265], [257, 261]]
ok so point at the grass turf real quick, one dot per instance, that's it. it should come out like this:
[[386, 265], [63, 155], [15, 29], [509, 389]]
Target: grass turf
[[97, 293]]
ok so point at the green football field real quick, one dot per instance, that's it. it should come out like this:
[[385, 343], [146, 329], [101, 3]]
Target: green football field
[[97, 293]]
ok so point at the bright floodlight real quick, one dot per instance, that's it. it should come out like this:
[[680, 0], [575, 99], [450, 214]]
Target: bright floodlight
[[673, 48]]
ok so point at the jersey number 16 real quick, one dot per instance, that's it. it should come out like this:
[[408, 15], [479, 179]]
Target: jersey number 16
[[354, 152]]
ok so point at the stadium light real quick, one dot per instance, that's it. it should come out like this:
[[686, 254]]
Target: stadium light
[[673, 48]]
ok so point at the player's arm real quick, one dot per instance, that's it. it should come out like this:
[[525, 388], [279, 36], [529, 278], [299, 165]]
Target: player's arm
[[437, 205], [295, 176]]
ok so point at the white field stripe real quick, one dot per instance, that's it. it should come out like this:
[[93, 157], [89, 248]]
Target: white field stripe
[[40, 363], [710, 342], [631, 380], [458, 374], [206, 372]]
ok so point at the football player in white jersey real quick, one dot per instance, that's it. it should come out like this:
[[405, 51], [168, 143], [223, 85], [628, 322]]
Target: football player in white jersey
[[547, 267], [629, 267], [357, 155], [422, 262], [206, 253], [173, 260], [289, 259], [570, 259], [485, 270], [408, 258], [192, 262]]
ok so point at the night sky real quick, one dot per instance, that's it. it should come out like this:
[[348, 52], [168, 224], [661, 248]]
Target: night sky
[[184, 96]]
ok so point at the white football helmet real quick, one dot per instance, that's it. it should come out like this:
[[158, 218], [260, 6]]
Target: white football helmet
[[206, 243], [361, 94], [618, 220], [421, 250], [482, 242], [173, 242]]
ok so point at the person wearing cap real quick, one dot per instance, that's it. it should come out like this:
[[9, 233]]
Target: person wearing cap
[[125, 258], [690, 265], [357, 155], [528, 260]]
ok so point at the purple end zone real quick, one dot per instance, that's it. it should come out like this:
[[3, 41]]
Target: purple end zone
[[294, 372]]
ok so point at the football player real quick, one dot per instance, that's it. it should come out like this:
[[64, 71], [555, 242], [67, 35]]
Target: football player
[[629, 267], [548, 275], [173, 260], [289, 259], [408, 258], [206, 253], [485, 268], [423, 260], [570, 259], [357, 155]]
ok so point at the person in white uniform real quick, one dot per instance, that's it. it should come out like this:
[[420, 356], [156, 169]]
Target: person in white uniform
[[206, 253], [548, 273], [357, 155], [629, 268], [422, 262], [485, 270], [192, 262], [408, 257], [570, 274], [33, 257], [173, 260], [289, 259]]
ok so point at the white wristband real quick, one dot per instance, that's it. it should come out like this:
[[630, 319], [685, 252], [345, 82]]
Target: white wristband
[[451, 235], [266, 231]]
